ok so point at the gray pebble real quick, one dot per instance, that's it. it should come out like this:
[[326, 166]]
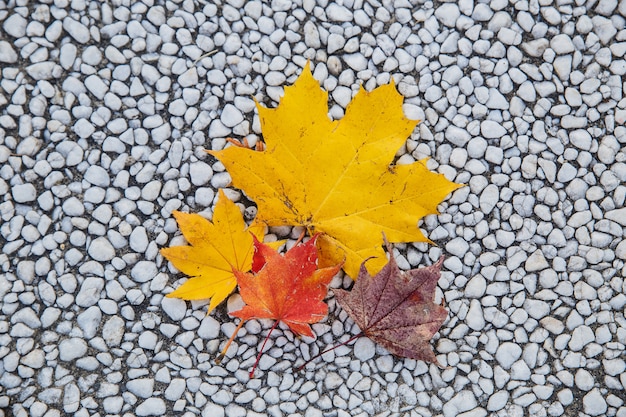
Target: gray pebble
[[24, 193], [594, 403], [151, 407], [492, 130], [457, 136], [200, 172], [475, 318], [507, 354], [141, 387], [144, 271], [77, 30], [138, 240], [89, 320], [174, 307], [71, 349], [364, 349], [461, 402], [89, 293], [457, 246], [113, 331], [101, 249]]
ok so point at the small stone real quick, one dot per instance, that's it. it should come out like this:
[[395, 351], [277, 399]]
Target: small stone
[[581, 337], [231, 116], [448, 14], [476, 287], [144, 271], [498, 401], [604, 29], [188, 78], [492, 130], [138, 239], [457, 247], [562, 44], [567, 173], [338, 13], [97, 175], [151, 407], [7, 53], [457, 136], [67, 55], [489, 198], [594, 403], [618, 216], [461, 402], [311, 35], [475, 318], [73, 207], [101, 249], [96, 86], [174, 307], [620, 250], [181, 358], [77, 30], [584, 380], [24, 193], [507, 354], [364, 349], [209, 328], [35, 359], [356, 61], [553, 325], [215, 410], [175, 390], [73, 348], [89, 320], [581, 139], [15, 25], [113, 331], [89, 293], [84, 128], [71, 398], [536, 262], [141, 387]]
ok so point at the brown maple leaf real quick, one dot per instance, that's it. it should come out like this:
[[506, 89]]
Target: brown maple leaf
[[396, 308]]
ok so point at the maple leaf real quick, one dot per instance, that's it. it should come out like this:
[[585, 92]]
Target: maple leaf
[[288, 289], [396, 308], [335, 177], [217, 248]]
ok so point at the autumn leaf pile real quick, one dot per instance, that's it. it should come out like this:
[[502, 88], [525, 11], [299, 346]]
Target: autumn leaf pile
[[337, 180]]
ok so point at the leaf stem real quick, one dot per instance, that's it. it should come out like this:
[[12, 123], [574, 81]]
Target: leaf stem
[[220, 357], [258, 358], [300, 238], [328, 350]]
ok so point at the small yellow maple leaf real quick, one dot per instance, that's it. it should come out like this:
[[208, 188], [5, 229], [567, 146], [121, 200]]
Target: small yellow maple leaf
[[217, 248], [335, 177]]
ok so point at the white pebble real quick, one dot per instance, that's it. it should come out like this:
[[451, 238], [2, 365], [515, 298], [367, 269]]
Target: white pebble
[[73, 348], [507, 354], [101, 249]]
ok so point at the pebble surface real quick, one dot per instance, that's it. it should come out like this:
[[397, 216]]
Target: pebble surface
[[106, 109]]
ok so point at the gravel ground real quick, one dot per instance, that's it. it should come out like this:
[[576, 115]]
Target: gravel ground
[[106, 108]]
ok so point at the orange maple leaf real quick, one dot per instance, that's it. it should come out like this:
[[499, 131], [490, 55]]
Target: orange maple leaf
[[335, 177], [288, 289]]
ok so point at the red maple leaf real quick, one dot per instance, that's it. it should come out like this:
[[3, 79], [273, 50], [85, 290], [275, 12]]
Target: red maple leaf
[[288, 289]]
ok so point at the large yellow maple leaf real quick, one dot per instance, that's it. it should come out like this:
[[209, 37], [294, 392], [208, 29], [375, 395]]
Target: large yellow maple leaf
[[217, 249], [336, 177]]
